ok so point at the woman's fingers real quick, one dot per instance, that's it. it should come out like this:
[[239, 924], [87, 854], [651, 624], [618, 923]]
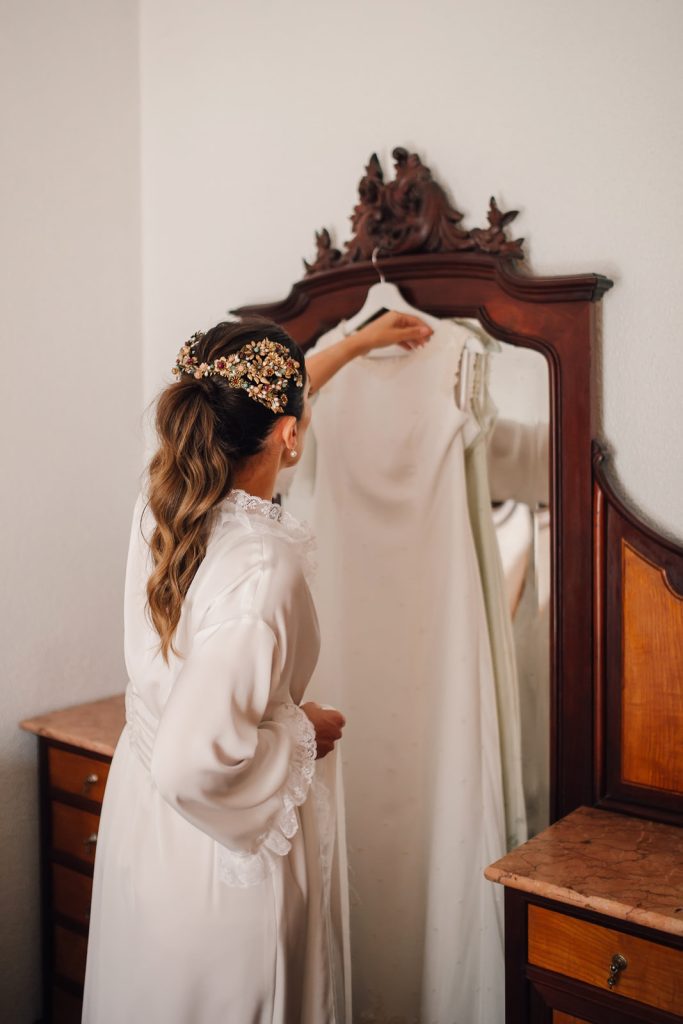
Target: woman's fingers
[[418, 333], [328, 724], [395, 328], [407, 320], [410, 337]]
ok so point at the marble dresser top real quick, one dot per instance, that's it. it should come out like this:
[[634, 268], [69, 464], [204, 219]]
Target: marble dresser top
[[95, 726], [624, 867]]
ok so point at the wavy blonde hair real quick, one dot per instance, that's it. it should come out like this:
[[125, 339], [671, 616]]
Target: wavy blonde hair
[[206, 429]]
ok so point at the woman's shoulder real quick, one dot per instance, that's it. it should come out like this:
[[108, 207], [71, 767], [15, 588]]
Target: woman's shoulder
[[253, 559], [238, 548], [281, 535]]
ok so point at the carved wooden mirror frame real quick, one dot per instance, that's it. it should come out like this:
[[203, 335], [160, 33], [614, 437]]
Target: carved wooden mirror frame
[[448, 271]]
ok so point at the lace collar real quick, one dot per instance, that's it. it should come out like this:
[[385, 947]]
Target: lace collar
[[259, 514]]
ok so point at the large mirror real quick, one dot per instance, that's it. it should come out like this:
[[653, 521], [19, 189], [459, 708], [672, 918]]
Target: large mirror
[[449, 489]]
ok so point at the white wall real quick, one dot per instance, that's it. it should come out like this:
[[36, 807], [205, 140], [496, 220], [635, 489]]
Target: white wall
[[71, 397], [258, 117]]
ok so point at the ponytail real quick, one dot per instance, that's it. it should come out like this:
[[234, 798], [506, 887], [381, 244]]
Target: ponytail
[[206, 429], [188, 475]]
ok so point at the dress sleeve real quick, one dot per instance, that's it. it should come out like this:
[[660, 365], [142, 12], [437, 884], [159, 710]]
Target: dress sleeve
[[518, 462], [231, 773]]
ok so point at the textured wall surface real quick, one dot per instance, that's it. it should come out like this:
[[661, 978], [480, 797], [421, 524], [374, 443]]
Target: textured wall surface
[[71, 398]]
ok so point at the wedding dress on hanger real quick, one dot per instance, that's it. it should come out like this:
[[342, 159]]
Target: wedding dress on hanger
[[406, 656]]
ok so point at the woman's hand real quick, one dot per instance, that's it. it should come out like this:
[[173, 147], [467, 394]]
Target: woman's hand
[[394, 329], [388, 329], [328, 724]]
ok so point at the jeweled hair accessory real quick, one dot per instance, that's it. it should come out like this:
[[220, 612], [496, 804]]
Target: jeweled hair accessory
[[263, 369]]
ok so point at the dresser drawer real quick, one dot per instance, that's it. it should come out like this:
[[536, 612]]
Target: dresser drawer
[[584, 951], [77, 773], [71, 893], [74, 831], [70, 950]]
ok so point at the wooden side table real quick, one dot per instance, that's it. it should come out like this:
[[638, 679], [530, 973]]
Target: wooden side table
[[75, 748]]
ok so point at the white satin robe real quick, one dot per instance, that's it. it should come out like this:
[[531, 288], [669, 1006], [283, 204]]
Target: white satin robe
[[217, 898]]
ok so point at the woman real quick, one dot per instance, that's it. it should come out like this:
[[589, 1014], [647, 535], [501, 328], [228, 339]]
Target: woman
[[208, 900]]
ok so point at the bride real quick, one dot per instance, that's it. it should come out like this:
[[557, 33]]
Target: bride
[[209, 903]]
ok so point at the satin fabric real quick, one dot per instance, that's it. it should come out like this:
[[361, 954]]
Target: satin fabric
[[214, 880]]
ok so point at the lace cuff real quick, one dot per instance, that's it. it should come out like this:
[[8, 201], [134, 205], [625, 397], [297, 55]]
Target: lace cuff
[[246, 869]]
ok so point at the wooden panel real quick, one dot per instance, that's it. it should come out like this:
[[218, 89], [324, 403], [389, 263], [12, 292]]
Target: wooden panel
[[70, 953], [638, 666], [66, 1008], [77, 773], [74, 831], [652, 685], [577, 949], [566, 1018], [71, 893]]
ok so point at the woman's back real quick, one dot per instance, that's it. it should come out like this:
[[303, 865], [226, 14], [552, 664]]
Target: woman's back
[[258, 562], [203, 831]]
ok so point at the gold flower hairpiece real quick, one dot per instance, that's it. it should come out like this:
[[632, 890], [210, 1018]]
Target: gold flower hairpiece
[[263, 369]]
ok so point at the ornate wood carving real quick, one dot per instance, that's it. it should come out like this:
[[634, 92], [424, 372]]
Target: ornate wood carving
[[411, 214], [326, 255], [638, 675]]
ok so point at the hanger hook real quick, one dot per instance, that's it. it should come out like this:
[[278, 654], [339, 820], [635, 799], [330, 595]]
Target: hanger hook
[[375, 264]]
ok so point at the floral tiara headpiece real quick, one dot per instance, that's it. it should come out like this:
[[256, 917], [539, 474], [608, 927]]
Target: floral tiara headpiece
[[263, 369]]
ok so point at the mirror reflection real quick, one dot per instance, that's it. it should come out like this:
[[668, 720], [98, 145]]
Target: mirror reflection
[[425, 478]]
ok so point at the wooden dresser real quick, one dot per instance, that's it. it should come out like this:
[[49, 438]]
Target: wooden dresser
[[594, 922], [594, 904], [75, 750]]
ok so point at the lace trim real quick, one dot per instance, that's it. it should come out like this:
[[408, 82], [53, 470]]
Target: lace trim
[[246, 869], [257, 513]]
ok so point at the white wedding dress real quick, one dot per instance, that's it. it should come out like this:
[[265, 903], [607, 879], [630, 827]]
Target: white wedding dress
[[219, 888], [406, 656]]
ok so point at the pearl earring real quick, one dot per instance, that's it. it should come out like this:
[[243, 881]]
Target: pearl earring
[[293, 453]]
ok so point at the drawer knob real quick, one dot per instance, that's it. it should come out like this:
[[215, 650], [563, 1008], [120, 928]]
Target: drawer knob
[[91, 840], [90, 780], [619, 964]]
